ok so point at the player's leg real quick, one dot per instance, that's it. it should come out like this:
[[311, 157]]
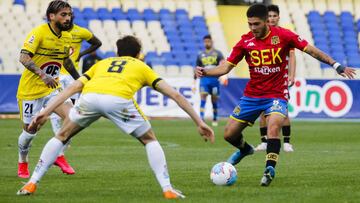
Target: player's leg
[[157, 162], [263, 131], [214, 100], [277, 112], [28, 109], [233, 135], [286, 131], [204, 92], [61, 161], [244, 114], [49, 154], [77, 120]]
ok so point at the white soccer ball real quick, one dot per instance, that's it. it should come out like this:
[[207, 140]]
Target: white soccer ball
[[223, 173]]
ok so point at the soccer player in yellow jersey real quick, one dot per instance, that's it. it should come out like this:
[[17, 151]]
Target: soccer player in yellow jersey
[[45, 50], [107, 90], [79, 34]]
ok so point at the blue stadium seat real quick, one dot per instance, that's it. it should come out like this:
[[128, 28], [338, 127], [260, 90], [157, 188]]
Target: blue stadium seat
[[118, 14], [104, 14], [81, 22], [177, 47], [89, 13], [133, 14], [354, 62], [19, 2], [110, 54], [314, 16], [150, 14], [166, 14], [329, 16]]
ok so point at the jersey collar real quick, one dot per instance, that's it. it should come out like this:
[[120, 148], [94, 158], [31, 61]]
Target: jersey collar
[[58, 36]]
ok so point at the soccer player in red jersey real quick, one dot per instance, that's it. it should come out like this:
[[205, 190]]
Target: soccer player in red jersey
[[265, 49], [273, 20]]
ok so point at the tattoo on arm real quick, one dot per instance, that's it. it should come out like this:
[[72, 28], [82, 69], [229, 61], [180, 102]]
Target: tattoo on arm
[[319, 55], [69, 66], [26, 60]]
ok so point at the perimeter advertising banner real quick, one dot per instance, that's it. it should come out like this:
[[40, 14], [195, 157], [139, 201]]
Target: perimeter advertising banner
[[309, 98]]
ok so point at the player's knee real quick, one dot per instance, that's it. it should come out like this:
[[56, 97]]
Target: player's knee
[[228, 135], [149, 136], [273, 131], [30, 130]]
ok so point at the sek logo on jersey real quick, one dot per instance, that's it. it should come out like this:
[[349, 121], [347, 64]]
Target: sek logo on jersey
[[265, 57], [51, 69]]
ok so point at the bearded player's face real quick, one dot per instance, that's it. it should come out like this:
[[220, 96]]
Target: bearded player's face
[[62, 19], [257, 26]]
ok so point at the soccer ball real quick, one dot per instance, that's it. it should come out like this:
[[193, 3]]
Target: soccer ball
[[223, 173]]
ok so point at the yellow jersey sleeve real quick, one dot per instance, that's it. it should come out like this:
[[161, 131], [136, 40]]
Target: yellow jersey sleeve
[[85, 33], [150, 77], [33, 40]]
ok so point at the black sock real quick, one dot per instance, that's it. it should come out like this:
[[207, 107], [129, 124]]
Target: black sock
[[273, 150], [263, 133], [286, 130], [239, 143]]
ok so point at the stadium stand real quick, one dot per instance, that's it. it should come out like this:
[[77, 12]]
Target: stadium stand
[[172, 31]]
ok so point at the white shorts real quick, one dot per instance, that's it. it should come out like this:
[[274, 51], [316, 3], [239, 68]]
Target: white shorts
[[66, 81], [123, 112], [29, 108]]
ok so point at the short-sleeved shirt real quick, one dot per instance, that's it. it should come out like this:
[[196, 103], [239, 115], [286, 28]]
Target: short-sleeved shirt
[[79, 34], [209, 59], [48, 52], [118, 76], [267, 60]]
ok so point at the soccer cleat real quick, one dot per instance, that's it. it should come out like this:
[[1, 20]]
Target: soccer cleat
[[28, 189], [288, 147], [215, 123], [23, 170], [64, 166], [173, 194], [261, 147], [236, 157], [269, 175]]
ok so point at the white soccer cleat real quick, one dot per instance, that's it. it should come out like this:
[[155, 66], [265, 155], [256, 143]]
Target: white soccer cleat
[[261, 147], [288, 147]]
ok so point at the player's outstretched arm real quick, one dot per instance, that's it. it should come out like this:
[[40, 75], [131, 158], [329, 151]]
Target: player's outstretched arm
[[69, 66], [204, 130], [321, 56], [29, 64], [95, 44], [292, 67], [220, 70], [41, 118]]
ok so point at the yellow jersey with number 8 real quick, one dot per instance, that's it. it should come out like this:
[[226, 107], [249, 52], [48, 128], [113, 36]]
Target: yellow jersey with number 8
[[48, 51], [118, 76]]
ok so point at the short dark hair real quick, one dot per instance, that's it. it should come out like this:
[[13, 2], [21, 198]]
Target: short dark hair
[[257, 10], [55, 6], [274, 8], [128, 46], [207, 37]]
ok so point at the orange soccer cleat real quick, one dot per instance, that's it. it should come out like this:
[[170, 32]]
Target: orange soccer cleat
[[173, 194], [28, 189]]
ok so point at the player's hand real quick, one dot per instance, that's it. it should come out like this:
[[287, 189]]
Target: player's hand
[[49, 81], [38, 121], [206, 132], [199, 72], [349, 73], [291, 81], [224, 80]]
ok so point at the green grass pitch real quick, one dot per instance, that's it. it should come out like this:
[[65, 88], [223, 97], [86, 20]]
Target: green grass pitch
[[112, 167]]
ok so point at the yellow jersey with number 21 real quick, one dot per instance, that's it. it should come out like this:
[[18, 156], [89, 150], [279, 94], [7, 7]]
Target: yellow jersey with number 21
[[48, 52]]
